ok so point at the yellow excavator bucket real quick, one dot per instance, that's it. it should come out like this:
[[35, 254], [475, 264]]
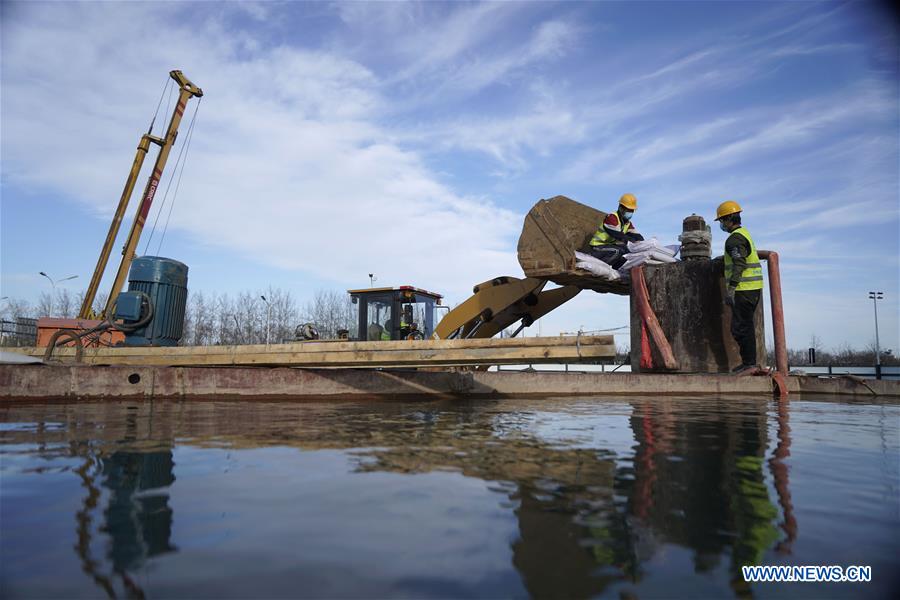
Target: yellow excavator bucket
[[553, 230]]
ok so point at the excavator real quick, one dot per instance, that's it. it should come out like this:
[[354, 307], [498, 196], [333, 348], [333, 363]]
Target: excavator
[[554, 229]]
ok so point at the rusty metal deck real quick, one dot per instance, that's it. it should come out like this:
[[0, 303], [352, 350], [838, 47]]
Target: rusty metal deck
[[25, 382]]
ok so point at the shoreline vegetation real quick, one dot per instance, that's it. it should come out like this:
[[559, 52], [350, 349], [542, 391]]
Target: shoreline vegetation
[[219, 319]]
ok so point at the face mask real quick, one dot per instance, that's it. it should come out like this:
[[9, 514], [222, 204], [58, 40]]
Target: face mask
[[723, 227], [628, 214]]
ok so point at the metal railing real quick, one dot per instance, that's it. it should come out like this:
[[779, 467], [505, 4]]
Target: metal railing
[[20, 331], [864, 371]]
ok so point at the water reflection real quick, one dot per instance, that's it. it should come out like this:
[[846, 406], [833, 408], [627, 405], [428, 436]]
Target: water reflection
[[607, 495], [698, 482], [136, 519]]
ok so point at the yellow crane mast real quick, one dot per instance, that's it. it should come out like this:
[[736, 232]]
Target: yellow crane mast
[[187, 90]]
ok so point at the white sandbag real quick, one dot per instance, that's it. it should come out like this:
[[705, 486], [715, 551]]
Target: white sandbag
[[651, 245], [633, 260], [595, 266], [661, 256]]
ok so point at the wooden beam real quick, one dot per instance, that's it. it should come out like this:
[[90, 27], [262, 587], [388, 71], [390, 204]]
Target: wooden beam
[[345, 354]]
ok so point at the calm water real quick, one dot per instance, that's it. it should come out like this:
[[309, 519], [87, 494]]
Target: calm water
[[645, 497]]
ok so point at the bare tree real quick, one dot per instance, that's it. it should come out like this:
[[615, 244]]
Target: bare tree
[[100, 302], [815, 342], [13, 308], [331, 311], [65, 304], [284, 316], [45, 304]]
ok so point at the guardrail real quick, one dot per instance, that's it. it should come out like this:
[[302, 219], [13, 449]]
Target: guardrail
[[870, 371], [18, 332]]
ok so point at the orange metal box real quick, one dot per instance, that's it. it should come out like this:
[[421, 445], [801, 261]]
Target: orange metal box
[[47, 326]]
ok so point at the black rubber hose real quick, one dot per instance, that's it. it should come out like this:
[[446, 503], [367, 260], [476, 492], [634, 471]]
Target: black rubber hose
[[73, 337], [103, 326], [143, 321]]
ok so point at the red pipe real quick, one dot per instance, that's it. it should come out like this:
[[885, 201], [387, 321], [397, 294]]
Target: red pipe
[[781, 359], [646, 353], [639, 285], [780, 475]]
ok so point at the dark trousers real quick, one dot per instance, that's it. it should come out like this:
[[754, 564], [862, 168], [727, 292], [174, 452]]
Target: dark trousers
[[611, 254], [742, 328]]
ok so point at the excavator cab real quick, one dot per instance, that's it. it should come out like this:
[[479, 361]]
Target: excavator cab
[[403, 313]]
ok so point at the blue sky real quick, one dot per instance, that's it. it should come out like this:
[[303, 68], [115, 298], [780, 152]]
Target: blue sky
[[410, 140]]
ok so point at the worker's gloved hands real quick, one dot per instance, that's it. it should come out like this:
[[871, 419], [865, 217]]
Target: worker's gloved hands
[[729, 295]]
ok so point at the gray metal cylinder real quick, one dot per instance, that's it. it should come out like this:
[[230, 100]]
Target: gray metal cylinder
[[165, 281], [696, 239]]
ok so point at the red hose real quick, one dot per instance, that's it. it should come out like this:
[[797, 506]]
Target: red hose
[[646, 353], [781, 359], [648, 317]]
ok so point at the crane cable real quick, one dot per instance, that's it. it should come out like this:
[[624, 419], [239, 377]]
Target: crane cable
[[186, 148], [169, 85], [169, 81], [181, 154]]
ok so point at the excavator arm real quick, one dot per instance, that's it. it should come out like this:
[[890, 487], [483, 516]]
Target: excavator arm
[[500, 303], [553, 231]]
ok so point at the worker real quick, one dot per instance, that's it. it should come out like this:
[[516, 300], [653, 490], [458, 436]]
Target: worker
[[743, 281], [374, 332], [406, 320], [386, 332], [610, 241]]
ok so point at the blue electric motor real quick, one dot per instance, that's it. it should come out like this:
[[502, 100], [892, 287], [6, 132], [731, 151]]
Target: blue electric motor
[[164, 281]]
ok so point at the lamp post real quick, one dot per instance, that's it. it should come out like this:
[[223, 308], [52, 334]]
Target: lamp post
[[372, 279], [53, 287], [268, 313], [876, 296], [10, 316]]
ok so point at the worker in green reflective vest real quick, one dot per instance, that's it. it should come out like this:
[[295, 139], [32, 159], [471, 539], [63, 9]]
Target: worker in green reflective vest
[[743, 281]]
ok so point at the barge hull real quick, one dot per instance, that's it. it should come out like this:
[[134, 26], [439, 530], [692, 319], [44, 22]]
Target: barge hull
[[27, 383]]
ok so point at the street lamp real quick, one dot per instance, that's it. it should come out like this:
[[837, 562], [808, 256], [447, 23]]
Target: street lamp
[[876, 296], [268, 313], [10, 316], [372, 279], [53, 287]]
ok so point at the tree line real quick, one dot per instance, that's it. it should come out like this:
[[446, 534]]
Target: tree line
[[217, 319], [841, 356]]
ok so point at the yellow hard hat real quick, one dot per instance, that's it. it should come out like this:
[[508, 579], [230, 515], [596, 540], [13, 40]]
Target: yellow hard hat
[[628, 201], [729, 207]]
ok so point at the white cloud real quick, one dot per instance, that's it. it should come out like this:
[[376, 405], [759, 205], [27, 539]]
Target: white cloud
[[509, 140], [335, 151], [701, 145], [258, 11], [461, 60], [289, 163]]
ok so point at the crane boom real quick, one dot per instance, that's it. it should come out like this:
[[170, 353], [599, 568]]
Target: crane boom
[[187, 90], [87, 311]]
